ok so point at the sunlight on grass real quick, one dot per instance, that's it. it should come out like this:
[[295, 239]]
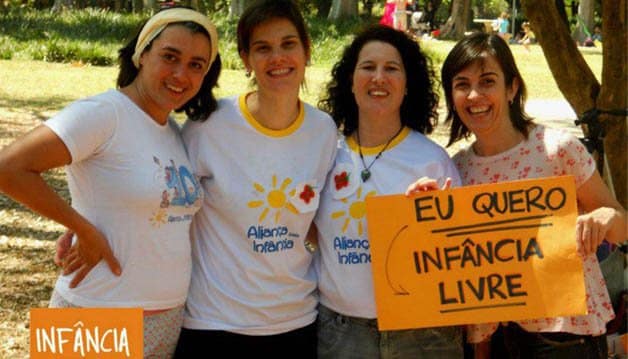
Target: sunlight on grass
[[532, 65], [46, 87]]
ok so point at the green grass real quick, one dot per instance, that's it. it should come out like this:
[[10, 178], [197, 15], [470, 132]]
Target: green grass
[[42, 87], [93, 37]]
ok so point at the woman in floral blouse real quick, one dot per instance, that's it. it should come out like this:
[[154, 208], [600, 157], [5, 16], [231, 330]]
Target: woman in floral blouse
[[485, 96]]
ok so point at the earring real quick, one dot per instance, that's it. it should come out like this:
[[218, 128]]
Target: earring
[[405, 93], [247, 73], [510, 102]]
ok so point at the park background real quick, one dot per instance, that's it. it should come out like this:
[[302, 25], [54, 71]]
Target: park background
[[54, 52]]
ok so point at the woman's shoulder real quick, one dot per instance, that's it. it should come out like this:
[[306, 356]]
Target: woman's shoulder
[[551, 135], [104, 105], [314, 110], [416, 138], [463, 152], [228, 102], [318, 116], [223, 105], [110, 97]]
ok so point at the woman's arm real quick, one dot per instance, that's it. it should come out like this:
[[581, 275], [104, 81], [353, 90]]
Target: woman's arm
[[604, 218], [21, 165]]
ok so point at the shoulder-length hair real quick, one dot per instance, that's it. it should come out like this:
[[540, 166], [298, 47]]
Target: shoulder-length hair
[[419, 107], [476, 48]]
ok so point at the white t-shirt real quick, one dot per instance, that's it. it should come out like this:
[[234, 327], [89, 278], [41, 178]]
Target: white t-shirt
[[344, 264], [130, 177], [251, 271]]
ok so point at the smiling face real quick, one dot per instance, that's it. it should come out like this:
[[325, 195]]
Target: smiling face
[[480, 96], [172, 70], [379, 80], [277, 56]]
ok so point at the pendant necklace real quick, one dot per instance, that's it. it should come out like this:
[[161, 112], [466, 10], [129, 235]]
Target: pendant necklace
[[366, 172]]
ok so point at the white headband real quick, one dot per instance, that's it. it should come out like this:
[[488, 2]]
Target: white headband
[[158, 23]]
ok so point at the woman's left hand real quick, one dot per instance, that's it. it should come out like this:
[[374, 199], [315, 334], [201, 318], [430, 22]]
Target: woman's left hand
[[591, 229]]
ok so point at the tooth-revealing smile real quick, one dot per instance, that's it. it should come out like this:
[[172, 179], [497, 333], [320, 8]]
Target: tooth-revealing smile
[[378, 93], [279, 72], [478, 109], [174, 88]]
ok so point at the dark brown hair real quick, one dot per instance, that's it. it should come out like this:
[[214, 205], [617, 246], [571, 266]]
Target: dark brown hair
[[261, 11], [198, 107], [419, 107], [475, 48]]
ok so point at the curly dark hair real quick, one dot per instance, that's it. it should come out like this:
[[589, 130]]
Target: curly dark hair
[[199, 107], [419, 107], [475, 48]]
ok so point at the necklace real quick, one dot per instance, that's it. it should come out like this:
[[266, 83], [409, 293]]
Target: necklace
[[366, 172]]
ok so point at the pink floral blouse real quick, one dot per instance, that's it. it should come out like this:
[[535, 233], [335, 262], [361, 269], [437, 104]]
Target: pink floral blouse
[[547, 152]]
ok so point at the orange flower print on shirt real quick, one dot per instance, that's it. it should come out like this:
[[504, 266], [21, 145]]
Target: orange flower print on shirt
[[341, 180], [307, 194]]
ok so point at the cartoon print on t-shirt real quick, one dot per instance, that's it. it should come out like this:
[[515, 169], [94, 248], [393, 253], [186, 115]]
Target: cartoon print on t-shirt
[[184, 186], [182, 190]]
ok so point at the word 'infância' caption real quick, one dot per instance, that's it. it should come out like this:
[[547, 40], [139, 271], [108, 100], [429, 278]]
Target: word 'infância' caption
[[82, 340]]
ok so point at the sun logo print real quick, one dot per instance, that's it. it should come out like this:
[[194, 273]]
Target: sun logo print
[[356, 211], [276, 199], [158, 218]]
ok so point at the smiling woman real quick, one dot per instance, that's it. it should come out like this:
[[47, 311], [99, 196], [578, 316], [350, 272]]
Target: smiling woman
[[126, 166], [486, 96], [383, 97], [262, 159]]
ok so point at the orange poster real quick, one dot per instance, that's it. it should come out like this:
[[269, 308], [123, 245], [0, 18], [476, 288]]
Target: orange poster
[[476, 254], [86, 333]]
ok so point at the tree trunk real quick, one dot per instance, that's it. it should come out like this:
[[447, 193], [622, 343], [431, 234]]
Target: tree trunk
[[577, 82], [138, 6], [150, 5], [560, 5], [613, 95], [236, 8], [367, 6], [586, 20], [195, 4], [322, 8], [587, 13], [456, 25], [60, 5], [432, 9], [343, 9]]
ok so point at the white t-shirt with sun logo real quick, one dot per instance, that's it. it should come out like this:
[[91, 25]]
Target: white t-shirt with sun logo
[[252, 273], [344, 264]]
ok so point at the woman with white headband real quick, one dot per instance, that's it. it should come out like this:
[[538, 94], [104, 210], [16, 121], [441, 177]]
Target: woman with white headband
[[132, 188]]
